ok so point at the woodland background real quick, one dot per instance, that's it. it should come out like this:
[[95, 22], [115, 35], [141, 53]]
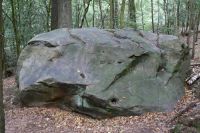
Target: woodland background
[[20, 20], [23, 19]]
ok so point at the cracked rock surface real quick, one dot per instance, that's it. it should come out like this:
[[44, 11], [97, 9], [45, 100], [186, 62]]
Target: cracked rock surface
[[103, 73]]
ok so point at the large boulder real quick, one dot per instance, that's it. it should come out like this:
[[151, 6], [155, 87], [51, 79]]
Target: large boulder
[[103, 73]]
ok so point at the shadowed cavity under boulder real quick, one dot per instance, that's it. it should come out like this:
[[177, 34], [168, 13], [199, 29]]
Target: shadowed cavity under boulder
[[103, 73]]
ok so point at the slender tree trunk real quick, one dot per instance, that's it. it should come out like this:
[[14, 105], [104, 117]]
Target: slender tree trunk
[[122, 13], [112, 12], [78, 9], [195, 24], [2, 115], [141, 4], [84, 7], [194, 42], [54, 14], [197, 31], [187, 5], [116, 23], [93, 15], [132, 13], [174, 20], [164, 9], [184, 23], [85, 13], [178, 14], [15, 28], [158, 32], [152, 16], [18, 13], [48, 11], [101, 14], [190, 19], [29, 14], [158, 25], [167, 12], [86, 21]]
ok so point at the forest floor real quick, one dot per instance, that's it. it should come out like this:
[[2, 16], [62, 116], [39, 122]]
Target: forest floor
[[55, 120]]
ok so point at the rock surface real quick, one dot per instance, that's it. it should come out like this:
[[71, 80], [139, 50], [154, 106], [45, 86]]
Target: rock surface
[[103, 73]]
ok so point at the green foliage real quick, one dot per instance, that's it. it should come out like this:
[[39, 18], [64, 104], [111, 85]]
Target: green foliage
[[33, 17]]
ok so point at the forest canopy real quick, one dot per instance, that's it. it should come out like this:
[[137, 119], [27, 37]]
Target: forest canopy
[[23, 19]]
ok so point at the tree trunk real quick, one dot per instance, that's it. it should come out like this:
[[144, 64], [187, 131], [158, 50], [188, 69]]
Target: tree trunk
[[85, 13], [61, 14], [101, 14], [54, 14], [48, 11], [122, 13], [93, 15], [164, 9], [174, 13], [158, 25], [78, 9], [190, 19], [187, 5], [112, 12], [195, 24], [2, 115], [132, 13], [167, 12], [64, 14], [178, 14], [152, 16], [197, 31], [142, 13], [15, 28], [116, 23]]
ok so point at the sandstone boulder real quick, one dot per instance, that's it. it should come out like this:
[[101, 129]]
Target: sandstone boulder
[[103, 73]]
